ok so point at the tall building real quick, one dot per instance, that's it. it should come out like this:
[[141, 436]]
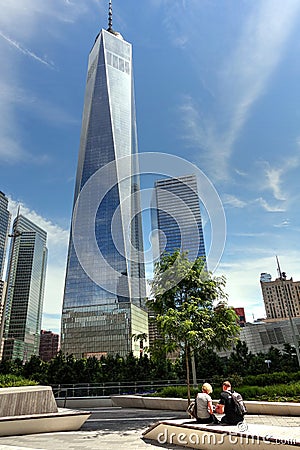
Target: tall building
[[177, 217], [49, 343], [4, 228], [104, 297], [25, 290], [281, 296]]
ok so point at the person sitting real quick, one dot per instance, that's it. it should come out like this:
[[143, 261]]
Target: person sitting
[[226, 406], [204, 406]]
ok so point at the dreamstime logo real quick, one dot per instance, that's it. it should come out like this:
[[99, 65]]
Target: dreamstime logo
[[242, 426], [205, 438], [115, 180]]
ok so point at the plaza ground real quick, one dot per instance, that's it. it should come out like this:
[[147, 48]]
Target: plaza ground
[[118, 428]]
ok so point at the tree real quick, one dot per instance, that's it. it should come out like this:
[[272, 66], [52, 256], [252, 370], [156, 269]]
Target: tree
[[191, 308], [240, 359], [36, 369]]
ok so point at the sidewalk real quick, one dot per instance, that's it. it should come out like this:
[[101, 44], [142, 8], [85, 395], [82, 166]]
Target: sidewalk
[[115, 429]]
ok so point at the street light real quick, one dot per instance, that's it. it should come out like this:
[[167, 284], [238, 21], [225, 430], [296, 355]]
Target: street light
[[268, 362]]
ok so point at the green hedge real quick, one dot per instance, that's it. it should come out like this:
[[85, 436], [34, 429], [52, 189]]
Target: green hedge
[[275, 392], [175, 392], [278, 392], [267, 379], [14, 380]]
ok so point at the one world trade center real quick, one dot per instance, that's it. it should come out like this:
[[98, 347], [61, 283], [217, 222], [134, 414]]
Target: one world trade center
[[105, 289]]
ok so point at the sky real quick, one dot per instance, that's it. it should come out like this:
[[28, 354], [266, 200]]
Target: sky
[[216, 83]]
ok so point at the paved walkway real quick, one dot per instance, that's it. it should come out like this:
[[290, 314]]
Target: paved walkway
[[117, 429]]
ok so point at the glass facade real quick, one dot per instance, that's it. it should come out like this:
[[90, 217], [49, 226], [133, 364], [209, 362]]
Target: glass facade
[[105, 281], [177, 217], [25, 290], [4, 227]]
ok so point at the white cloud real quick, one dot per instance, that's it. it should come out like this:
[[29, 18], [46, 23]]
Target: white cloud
[[283, 224], [274, 182], [267, 207], [20, 26], [233, 201], [274, 176], [242, 81], [26, 51]]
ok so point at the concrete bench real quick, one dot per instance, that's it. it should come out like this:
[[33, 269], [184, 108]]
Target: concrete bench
[[187, 433], [17, 401], [33, 409]]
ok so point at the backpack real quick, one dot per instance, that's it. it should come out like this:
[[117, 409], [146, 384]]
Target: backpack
[[239, 405], [192, 409]]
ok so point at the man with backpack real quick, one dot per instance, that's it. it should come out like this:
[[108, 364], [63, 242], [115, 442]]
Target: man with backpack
[[231, 404]]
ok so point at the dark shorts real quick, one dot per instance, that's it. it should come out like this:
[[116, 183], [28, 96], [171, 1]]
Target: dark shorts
[[206, 420], [231, 420]]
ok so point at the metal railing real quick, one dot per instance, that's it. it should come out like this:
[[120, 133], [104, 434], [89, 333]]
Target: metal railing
[[112, 388]]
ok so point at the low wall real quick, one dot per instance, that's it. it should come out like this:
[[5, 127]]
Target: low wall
[[179, 404], [84, 402]]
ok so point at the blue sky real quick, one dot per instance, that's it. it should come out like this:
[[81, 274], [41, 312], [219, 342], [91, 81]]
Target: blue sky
[[216, 83]]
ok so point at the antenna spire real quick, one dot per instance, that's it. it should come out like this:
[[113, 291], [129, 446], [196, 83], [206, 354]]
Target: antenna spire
[[110, 16], [278, 268]]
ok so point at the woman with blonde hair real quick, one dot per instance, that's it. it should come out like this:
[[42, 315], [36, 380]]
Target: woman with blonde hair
[[204, 405]]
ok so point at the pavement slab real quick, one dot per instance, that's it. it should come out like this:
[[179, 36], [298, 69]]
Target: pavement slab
[[120, 428]]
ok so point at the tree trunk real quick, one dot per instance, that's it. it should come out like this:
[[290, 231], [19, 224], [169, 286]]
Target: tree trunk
[[187, 372], [194, 374]]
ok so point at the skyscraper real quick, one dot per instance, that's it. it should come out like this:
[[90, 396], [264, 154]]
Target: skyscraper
[[25, 290], [103, 306], [281, 296], [4, 228], [177, 217]]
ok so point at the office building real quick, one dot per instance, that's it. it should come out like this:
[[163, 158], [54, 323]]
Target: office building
[[177, 217], [4, 228], [281, 296], [240, 312], [261, 335], [5, 217], [105, 289], [49, 343], [25, 290]]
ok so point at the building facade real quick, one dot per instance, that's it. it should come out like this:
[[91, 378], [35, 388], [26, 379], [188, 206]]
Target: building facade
[[5, 217], [49, 344], [4, 229], [105, 289], [240, 312], [25, 290], [177, 218], [281, 296], [261, 335]]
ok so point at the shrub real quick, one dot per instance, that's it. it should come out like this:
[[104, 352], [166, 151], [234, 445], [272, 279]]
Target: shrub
[[235, 379], [266, 379], [14, 380], [175, 392], [276, 392]]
